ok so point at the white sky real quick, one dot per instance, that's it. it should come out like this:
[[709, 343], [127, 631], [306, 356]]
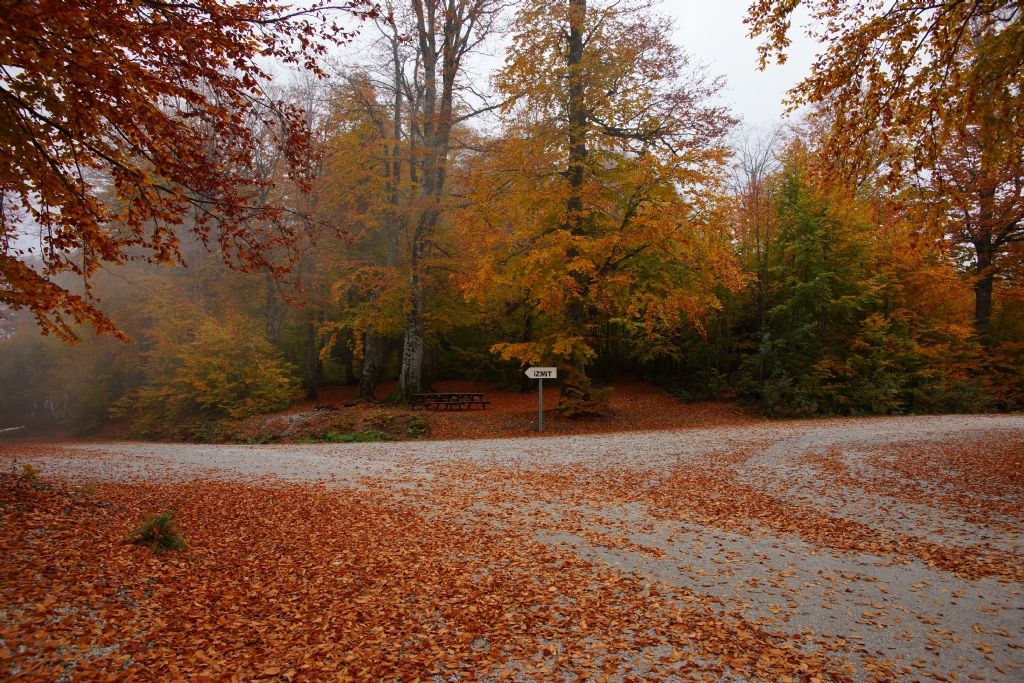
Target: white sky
[[713, 33]]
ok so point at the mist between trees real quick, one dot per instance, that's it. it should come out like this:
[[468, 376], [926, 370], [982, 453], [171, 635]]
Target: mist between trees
[[611, 219]]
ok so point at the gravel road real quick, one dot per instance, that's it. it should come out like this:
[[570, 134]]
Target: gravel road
[[897, 539]]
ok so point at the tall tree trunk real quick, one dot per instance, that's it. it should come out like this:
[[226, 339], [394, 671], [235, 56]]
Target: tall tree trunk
[[373, 343], [349, 359], [983, 288], [454, 25], [436, 132], [311, 356], [410, 377], [429, 356], [577, 115], [373, 356], [275, 310], [575, 309]]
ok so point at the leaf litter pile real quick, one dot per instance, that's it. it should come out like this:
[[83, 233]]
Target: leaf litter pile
[[308, 583], [501, 571]]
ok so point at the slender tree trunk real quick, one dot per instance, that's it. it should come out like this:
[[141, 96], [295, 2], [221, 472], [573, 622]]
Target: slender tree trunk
[[271, 311], [373, 344], [429, 356], [436, 128], [349, 356], [275, 310], [311, 356], [454, 24], [983, 288]]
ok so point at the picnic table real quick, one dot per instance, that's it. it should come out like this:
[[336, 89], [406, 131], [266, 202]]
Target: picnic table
[[451, 401]]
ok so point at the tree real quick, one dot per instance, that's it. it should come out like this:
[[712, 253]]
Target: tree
[[397, 114], [922, 86], [444, 32], [374, 154], [754, 188], [978, 185], [600, 201], [904, 70], [121, 119]]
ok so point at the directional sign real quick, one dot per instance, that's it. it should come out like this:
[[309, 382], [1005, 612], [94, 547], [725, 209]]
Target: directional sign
[[541, 374]]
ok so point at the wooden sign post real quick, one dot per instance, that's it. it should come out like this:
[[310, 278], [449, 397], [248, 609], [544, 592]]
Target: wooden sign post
[[541, 374]]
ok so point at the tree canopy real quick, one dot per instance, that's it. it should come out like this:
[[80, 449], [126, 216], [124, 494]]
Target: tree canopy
[[125, 121], [389, 217]]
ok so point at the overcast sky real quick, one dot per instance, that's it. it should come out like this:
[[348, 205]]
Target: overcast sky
[[713, 32]]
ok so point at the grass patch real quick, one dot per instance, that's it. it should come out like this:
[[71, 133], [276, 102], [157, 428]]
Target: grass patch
[[331, 437], [263, 436], [159, 533]]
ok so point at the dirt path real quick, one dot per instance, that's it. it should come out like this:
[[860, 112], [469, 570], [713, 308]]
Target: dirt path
[[882, 549]]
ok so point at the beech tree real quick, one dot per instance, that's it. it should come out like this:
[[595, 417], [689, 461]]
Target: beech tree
[[920, 86], [899, 71], [401, 107], [150, 104], [978, 185], [600, 198], [444, 32], [368, 189]]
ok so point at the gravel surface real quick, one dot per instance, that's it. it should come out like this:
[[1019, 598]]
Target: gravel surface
[[757, 519]]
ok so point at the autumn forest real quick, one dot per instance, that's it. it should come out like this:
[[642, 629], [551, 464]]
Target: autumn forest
[[212, 211]]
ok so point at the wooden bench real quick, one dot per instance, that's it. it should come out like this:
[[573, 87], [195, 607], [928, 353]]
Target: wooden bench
[[450, 401]]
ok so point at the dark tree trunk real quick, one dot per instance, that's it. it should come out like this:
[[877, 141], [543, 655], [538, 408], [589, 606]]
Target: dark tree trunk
[[577, 115], [311, 357], [983, 289], [429, 356], [575, 312], [350, 371], [275, 310], [373, 357], [373, 343]]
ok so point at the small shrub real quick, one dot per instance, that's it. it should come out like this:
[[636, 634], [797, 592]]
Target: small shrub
[[417, 425], [579, 398], [782, 397], [263, 436], [160, 533], [211, 431], [380, 419], [340, 425], [88, 489], [28, 474], [222, 366], [121, 408]]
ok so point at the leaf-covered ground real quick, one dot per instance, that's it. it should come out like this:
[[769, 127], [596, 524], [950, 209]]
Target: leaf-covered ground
[[634, 405], [845, 550]]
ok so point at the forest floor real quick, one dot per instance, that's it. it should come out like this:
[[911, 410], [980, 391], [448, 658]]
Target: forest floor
[[635, 405], [870, 549]]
